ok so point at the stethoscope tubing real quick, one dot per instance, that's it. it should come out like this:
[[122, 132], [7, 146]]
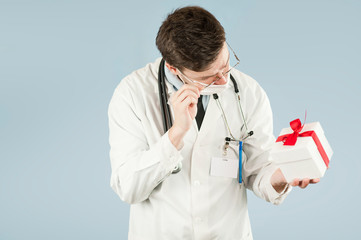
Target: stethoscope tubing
[[166, 114]]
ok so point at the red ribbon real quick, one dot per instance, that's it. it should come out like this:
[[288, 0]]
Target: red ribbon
[[291, 139]]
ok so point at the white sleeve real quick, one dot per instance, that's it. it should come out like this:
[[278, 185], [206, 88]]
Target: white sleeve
[[137, 167], [258, 168]]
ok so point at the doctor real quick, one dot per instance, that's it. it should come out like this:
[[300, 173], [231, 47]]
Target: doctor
[[205, 199]]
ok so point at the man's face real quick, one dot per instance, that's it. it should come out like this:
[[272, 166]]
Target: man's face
[[214, 74]]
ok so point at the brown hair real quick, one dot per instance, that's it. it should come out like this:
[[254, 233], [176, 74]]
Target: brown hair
[[190, 37]]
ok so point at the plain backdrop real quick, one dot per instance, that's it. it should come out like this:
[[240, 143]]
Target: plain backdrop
[[60, 62]]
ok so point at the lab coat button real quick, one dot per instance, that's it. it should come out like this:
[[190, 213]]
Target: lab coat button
[[197, 183]]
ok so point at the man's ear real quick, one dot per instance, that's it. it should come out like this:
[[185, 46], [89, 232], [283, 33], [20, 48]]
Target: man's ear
[[171, 68]]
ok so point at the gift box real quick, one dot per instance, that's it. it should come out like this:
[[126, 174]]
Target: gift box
[[302, 151]]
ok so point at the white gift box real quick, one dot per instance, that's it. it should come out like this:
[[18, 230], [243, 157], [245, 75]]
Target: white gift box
[[302, 160]]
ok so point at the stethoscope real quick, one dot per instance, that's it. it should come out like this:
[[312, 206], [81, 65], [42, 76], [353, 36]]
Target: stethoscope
[[167, 117]]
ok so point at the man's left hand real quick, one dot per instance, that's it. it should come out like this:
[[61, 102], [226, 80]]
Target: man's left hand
[[304, 182], [279, 182]]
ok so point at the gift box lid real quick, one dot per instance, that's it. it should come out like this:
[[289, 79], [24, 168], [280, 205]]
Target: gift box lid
[[302, 142]]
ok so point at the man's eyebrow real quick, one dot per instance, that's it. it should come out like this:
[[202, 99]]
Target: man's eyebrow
[[225, 65]]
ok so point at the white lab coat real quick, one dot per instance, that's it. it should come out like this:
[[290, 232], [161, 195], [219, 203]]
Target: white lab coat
[[191, 204]]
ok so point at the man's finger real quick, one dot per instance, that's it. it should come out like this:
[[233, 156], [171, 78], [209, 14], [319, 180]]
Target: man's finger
[[184, 95], [188, 87], [315, 180], [295, 182], [188, 101], [305, 183]]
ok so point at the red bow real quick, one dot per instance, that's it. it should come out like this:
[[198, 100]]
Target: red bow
[[291, 139]]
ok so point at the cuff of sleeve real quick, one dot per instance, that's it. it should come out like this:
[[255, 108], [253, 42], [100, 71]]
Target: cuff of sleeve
[[265, 189], [171, 156], [275, 197]]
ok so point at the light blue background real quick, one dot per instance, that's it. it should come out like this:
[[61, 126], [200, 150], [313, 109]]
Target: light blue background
[[60, 62]]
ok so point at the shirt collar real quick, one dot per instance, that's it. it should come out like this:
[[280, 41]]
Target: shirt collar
[[172, 79]]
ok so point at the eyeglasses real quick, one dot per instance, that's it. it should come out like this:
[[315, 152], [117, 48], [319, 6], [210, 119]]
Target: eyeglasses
[[205, 85]]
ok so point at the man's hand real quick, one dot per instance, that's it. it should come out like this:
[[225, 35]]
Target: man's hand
[[304, 182], [279, 182], [184, 103]]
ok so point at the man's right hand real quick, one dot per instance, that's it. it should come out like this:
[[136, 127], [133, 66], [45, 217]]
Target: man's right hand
[[184, 104]]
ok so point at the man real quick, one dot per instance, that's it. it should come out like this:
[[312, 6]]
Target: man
[[200, 201]]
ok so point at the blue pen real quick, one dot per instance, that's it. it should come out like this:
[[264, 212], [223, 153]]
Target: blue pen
[[240, 162]]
